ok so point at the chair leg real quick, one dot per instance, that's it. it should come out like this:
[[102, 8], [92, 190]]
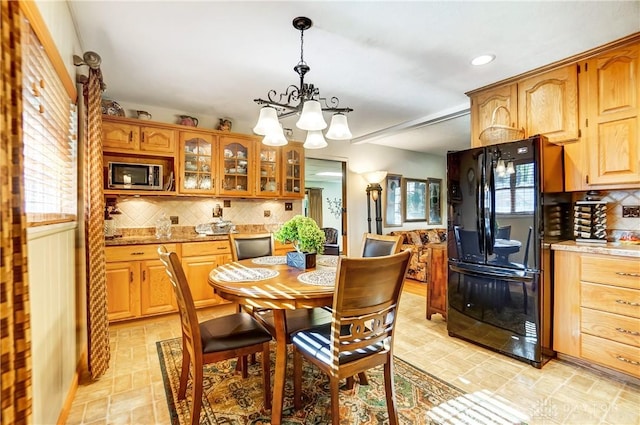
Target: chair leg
[[196, 393], [334, 384], [266, 376], [350, 383], [362, 377], [184, 373], [243, 366], [297, 379], [389, 391]]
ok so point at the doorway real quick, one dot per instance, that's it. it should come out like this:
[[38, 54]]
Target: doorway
[[326, 195]]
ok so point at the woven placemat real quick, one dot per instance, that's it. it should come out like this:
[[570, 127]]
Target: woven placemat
[[318, 277]]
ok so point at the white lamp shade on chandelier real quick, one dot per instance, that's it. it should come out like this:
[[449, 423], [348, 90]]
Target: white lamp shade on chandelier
[[275, 138], [315, 140], [339, 128], [267, 121], [311, 118]]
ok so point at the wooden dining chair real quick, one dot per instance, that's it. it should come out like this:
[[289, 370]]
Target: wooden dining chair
[[214, 340], [360, 335]]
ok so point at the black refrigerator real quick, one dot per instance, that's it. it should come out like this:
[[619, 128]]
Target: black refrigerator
[[506, 204]]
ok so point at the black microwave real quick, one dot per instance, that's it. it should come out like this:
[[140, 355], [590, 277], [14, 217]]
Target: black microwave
[[129, 175]]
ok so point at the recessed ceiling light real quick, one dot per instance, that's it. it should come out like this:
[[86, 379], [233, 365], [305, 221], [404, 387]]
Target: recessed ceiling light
[[330, 174], [482, 60]]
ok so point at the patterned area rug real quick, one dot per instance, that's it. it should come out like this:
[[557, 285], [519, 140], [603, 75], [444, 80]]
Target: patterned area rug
[[230, 400]]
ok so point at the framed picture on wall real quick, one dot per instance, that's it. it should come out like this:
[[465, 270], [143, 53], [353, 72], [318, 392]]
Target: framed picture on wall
[[415, 200], [435, 206], [393, 200]]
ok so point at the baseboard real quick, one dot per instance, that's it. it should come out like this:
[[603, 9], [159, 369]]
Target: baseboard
[[81, 369]]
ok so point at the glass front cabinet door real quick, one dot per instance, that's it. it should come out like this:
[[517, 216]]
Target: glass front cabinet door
[[237, 170], [269, 175], [293, 170], [197, 163]]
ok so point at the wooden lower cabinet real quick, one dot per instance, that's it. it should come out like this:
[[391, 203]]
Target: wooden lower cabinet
[[123, 290], [437, 282], [596, 314], [156, 293], [198, 259], [138, 285]]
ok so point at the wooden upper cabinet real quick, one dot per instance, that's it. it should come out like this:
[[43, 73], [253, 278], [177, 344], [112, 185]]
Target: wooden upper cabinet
[[120, 136], [548, 104], [197, 166], [156, 139], [269, 176], [293, 170], [484, 103], [237, 169], [613, 92]]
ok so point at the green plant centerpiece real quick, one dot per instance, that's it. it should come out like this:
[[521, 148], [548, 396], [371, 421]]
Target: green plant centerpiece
[[307, 238]]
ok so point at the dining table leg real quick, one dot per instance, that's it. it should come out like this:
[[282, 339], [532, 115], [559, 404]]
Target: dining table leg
[[280, 325]]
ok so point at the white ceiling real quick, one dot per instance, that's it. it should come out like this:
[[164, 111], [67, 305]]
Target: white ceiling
[[397, 64]]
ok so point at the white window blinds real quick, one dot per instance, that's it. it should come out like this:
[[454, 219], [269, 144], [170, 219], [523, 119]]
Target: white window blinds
[[50, 142]]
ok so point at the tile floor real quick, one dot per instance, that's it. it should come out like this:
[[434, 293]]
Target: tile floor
[[560, 393]]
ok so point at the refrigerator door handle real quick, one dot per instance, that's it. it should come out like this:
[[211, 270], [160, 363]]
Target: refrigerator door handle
[[490, 221], [480, 197]]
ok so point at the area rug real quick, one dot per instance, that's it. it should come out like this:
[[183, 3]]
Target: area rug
[[228, 399]]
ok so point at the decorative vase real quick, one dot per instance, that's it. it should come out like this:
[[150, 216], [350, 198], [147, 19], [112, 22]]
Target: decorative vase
[[301, 260]]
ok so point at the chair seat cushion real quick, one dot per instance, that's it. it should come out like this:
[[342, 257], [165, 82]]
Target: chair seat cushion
[[297, 320], [230, 332], [316, 342]]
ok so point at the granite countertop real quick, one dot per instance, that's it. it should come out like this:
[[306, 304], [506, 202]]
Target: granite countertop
[[144, 240], [610, 248], [147, 235]]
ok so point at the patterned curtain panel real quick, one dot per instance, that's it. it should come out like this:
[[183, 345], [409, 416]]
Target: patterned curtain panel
[[98, 325], [14, 287]]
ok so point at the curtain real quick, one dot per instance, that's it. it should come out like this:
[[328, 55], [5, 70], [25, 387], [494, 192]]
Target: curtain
[[14, 285], [315, 204], [97, 322]]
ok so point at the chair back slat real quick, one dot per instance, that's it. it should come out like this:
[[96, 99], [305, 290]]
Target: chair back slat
[[251, 245]]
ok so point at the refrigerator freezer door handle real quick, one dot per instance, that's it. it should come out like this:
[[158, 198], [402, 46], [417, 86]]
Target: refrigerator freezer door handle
[[490, 221], [480, 197]]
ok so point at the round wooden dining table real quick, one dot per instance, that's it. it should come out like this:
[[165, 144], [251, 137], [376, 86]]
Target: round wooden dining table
[[276, 287]]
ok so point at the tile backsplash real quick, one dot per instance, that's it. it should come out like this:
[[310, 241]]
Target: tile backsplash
[[143, 212]]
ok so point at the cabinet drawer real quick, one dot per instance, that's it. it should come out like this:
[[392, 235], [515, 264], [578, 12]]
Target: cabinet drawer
[[190, 249], [135, 252], [611, 299], [611, 271], [622, 357], [611, 326]]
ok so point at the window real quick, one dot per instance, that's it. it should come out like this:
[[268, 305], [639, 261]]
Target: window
[[515, 193], [50, 143]]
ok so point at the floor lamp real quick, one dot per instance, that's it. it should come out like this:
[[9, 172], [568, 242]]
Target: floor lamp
[[374, 192]]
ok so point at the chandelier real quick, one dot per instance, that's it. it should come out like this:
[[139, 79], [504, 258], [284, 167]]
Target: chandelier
[[305, 101]]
